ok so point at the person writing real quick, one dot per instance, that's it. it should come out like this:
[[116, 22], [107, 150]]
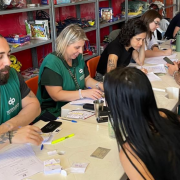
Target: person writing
[[173, 70], [148, 137], [18, 105], [151, 19], [63, 74], [129, 44]]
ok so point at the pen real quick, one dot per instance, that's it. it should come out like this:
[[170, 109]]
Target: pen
[[69, 120], [170, 43], [42, 146], [89, 88], [66, 119], [62, 139]]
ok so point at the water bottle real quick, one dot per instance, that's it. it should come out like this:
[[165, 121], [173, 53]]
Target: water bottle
[[178, 41]]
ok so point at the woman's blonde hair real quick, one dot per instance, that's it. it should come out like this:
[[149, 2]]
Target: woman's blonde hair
[[69, 35]]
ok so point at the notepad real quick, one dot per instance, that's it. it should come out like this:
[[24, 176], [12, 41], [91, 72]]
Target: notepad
[[80, 114]]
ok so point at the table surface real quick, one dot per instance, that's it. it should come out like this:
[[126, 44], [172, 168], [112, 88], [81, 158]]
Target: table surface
[[88, 137]]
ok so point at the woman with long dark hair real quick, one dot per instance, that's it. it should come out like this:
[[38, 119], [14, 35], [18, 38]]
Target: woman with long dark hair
[[149, 137]]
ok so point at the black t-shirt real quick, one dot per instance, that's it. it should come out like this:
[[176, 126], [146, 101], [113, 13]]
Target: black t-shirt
[[115, 47], [174, 22], [24, 89]]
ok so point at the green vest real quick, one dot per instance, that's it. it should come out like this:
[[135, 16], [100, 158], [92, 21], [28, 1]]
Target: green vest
[[10, 95], [54, 63]]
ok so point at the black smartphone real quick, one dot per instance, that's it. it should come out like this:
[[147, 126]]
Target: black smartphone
[[168, 60], [51, 126]]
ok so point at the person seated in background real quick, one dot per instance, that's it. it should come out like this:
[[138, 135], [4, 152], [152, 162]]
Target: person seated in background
[[130, 43], [64, 75], [18, 105], [148, 137], [151, 19], [173, 70], [173, 27]]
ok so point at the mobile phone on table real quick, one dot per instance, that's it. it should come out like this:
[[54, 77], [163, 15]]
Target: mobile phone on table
[[168, 60], [51, 126]]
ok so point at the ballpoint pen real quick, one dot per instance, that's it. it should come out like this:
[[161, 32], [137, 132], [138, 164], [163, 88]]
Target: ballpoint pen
[[67, 119], [62, 139], [42, 146]]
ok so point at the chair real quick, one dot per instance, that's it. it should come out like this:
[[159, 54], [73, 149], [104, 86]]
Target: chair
[[92, 65], [33, 84]]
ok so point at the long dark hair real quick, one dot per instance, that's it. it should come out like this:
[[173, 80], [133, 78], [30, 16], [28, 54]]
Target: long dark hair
[[147, 18], [136, 121], [130, 29]]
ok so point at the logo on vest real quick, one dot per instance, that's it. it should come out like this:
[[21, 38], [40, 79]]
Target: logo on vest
[[81, 71], [11, 101]]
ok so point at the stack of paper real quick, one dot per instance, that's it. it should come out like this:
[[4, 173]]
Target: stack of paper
[[52, 166], [78, 167]]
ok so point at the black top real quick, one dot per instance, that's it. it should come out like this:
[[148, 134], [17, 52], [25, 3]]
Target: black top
[[24, 89], [118, 49], [174, 22]]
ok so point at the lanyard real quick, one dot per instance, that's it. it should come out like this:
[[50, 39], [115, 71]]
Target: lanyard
[[73, 75]]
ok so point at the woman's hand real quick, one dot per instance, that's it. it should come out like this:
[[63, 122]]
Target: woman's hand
[[92, 93], [173, 68], [168, 52], [144, 70], [27, 134]]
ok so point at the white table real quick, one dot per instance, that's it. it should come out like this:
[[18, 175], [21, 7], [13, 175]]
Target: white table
[[88, 137]]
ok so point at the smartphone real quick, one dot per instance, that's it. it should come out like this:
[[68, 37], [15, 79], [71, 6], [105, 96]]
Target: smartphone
[[168, 60], [51, 126]]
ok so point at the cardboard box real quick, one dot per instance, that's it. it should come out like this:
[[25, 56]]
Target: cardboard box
[[39, 30]]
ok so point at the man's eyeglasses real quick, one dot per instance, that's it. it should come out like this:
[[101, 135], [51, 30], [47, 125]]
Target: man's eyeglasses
[[157, 23]]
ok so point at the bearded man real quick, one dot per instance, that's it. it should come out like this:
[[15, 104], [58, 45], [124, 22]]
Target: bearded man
[[18, 105]]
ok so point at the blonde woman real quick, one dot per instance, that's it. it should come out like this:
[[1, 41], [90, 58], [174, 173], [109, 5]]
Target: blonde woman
[[64, 75]]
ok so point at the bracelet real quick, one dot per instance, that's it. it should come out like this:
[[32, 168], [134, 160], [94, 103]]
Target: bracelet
[[10, 137], [174, 73], [80, 95], [97, 85]]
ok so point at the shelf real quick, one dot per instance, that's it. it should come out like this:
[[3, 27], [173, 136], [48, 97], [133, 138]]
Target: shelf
[[103, 0], [88, 29], [111, 23], [19, 10], [33, 43], [87, 57], [169, 6], [74, 4], [139, 15]]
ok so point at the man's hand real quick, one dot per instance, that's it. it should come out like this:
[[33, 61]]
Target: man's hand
[[173, 68], [27, 134]]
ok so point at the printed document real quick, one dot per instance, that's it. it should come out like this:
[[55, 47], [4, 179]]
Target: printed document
[[152, 77], [159, 59], [155, 69], [19, 163]]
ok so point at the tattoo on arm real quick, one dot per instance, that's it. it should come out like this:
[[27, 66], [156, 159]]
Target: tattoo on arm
[[111, 64], [31, 95], [4, 137]]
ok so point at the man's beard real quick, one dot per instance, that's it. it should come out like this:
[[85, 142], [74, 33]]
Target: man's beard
[[4, 77]]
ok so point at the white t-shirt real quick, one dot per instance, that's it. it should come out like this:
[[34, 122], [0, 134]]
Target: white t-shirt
[[150, 43]]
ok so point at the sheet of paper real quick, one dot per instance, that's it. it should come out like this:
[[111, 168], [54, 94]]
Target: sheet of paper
[[84, 101], [19, 163], [152, 77], [159, 60], [155, 69]]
